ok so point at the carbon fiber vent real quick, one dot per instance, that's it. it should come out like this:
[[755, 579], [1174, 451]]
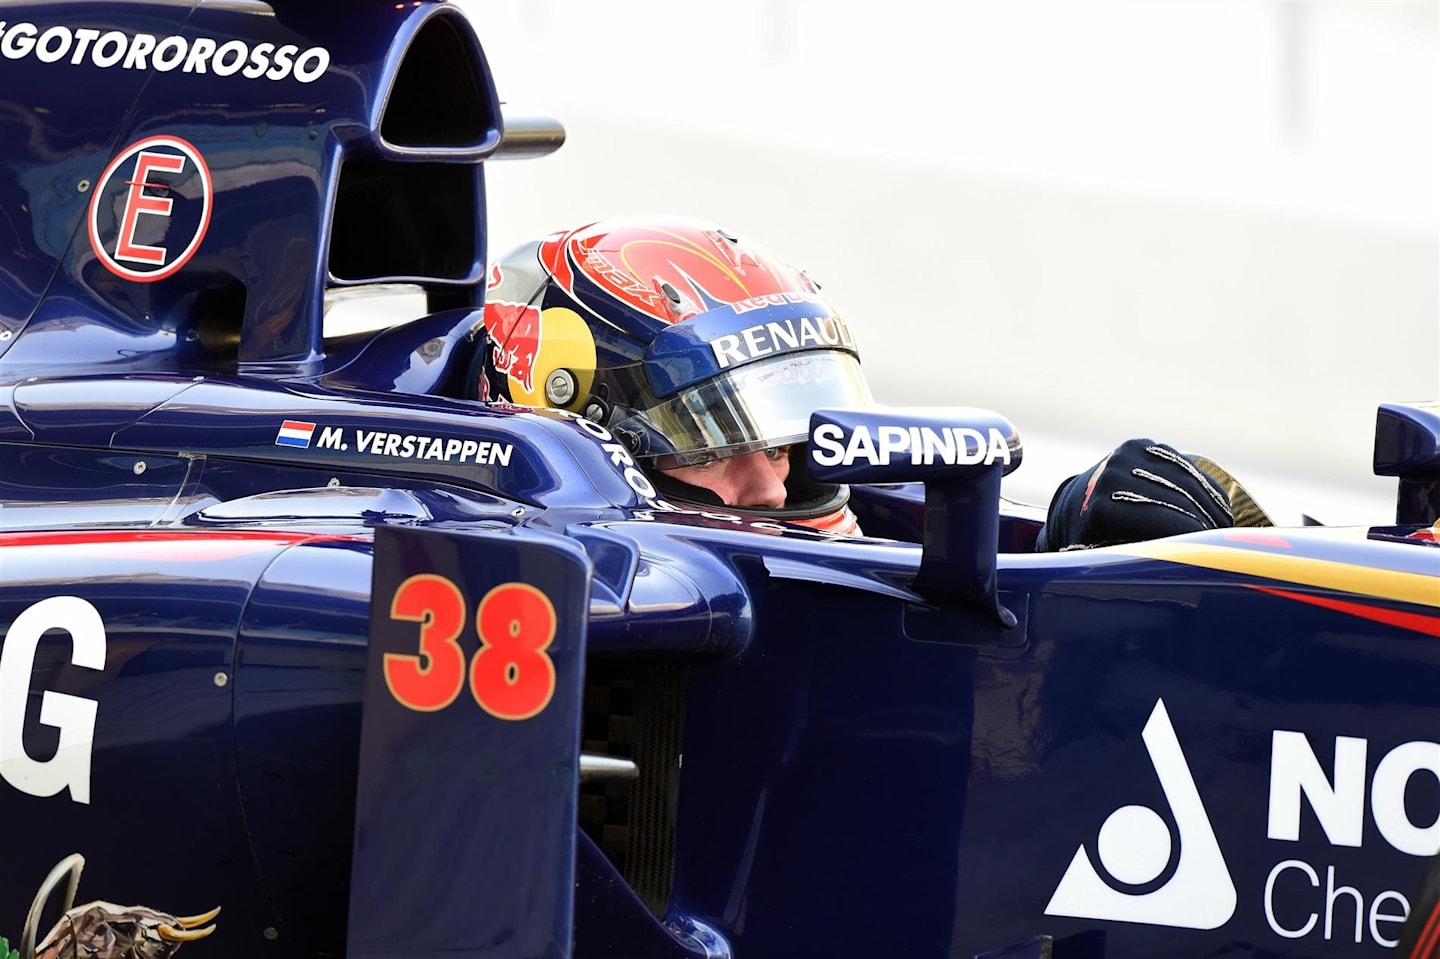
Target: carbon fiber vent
[[635, 711]]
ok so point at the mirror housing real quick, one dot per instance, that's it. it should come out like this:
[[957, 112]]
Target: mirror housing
[[960, 454], [527, 134], [1407, 446]]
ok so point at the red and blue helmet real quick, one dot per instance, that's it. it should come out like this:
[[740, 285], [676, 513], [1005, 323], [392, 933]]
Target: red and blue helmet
[[689, 342]]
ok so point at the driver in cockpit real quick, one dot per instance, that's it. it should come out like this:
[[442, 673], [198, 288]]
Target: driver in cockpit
[[706, 354]]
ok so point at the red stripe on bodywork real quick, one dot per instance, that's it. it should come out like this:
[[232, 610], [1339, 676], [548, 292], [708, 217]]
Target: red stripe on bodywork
[[1420, 623], [172, 545], [1428, 944]]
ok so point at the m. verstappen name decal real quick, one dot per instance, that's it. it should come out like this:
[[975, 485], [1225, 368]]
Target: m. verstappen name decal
[[951, 445], [405, 446], [145, 51], [779, 336], [1299, 899], [409, 446]]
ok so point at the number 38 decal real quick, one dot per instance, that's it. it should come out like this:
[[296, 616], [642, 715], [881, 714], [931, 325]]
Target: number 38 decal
[[511, 676]]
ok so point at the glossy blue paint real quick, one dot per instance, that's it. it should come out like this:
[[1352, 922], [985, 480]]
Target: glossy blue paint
[[490, 789], [390, 361], [271, 144], [531, 456], [867, 792], [163, 762], [78, 121], [297, 691], [610, 920], [834, 704]]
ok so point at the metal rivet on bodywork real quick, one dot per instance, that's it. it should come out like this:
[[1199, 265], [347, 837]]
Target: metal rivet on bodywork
[[5, 334], [221, 679], [82, 186], [334, 482], [271, 932], [139, 467]]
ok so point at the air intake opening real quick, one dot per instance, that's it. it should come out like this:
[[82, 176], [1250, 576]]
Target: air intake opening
[[207, 312], [439, 97], [396, 220], [635, 711]]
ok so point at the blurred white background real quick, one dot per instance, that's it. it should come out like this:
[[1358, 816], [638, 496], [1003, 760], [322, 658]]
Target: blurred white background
[[1211, 223]]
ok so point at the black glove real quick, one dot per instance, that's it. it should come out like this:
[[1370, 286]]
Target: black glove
[[1143, 490]]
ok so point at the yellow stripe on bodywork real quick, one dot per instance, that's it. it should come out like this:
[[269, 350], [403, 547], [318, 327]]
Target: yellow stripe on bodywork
[[1416, 588]]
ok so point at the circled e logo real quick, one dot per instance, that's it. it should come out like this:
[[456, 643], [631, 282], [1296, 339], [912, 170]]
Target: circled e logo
[[151, 208]]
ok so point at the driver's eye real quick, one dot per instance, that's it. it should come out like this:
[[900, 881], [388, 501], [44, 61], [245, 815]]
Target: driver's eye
[[777, 452]]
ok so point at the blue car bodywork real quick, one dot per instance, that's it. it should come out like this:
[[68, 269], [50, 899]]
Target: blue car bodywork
[[291, 627]]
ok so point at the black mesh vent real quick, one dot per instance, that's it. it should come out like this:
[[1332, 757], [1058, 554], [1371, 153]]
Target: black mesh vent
[[437, 99], [635, 711]]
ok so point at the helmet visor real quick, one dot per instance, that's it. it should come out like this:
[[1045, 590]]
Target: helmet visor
[[756, 406]]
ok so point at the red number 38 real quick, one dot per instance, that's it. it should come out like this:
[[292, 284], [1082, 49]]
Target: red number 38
[[511, 676]]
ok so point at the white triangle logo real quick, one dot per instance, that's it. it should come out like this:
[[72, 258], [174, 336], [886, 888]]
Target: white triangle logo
[[1134, 847]]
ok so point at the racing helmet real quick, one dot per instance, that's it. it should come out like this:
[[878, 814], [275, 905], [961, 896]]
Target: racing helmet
[[688, 342]]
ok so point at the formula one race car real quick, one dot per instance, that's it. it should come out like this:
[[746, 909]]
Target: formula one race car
[[293, 627]]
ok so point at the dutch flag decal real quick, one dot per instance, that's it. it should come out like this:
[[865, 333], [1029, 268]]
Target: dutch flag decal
[[295, 433]]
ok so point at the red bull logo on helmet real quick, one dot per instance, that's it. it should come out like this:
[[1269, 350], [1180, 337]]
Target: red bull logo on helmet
[[515, 328]]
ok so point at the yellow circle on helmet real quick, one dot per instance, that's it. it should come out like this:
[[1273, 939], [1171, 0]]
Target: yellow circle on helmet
[[565, 343]]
